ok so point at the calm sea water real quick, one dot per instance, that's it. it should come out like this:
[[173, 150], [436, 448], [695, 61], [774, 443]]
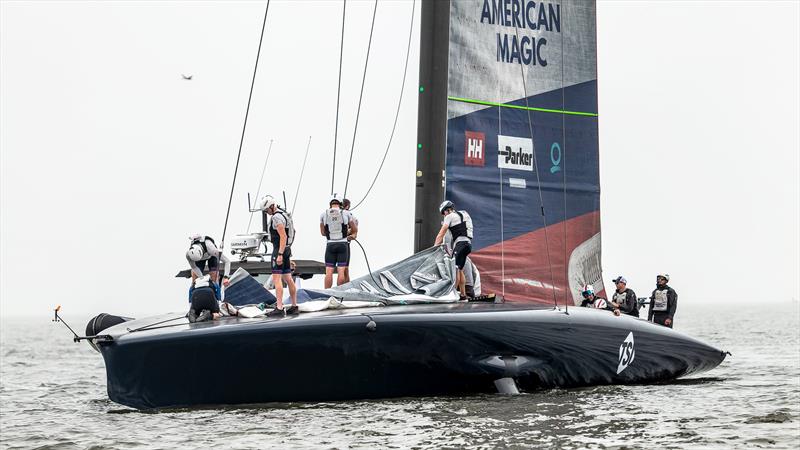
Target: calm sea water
[[52, 395]]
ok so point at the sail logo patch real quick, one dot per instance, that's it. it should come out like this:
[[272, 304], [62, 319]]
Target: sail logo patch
[[474, 148], [514, 153], [626, 353]]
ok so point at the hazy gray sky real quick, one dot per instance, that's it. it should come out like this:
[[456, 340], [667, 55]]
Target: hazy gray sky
[[110, 160]]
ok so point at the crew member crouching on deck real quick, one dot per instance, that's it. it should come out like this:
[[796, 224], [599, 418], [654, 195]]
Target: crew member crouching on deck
[[204, 301], [459, 223], [663, 302]]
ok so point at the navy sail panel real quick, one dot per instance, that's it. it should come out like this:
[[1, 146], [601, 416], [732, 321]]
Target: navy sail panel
[[516, 148]]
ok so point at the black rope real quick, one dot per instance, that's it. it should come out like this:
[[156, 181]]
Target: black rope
[[377, 285], [302, 171], [538, 181], [360, 96], [244, 126], [563, 156], [338, 94], [397, 113]]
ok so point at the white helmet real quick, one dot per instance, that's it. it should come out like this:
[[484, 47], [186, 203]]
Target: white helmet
[[665, 275], [267, 202], [600, 303], [587, 289], [196, 237], [335, 199], [446, 204], [195, 252]]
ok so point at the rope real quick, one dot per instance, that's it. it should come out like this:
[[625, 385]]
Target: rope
[[258, 191], [360, 96], [567, 290], [538, 180], [244, 126], [377, 285], [302, 171], [338, 94], [397, 113]]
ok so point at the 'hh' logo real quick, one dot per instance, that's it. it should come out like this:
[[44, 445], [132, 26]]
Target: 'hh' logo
[[514, 153], [626, 353], [474, 148]]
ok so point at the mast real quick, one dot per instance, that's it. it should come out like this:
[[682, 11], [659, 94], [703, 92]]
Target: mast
[[431, 120]]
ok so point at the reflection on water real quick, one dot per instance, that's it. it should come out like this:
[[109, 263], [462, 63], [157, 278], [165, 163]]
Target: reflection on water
[[52, 393]]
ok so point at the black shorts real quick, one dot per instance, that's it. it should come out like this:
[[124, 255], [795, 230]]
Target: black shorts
[[204, 298], [337, 254], [286, 264], [460, 252], [213, 264]]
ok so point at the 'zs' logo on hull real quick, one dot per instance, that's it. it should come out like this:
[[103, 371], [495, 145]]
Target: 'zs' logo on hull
[[626, 353]]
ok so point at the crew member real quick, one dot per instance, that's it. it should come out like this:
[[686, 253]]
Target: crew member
[[281, 232], [204, 301], [663, 302], [459, 223], [590, 300], [204, 250], [624, 299], [354, 235], [336, 225]]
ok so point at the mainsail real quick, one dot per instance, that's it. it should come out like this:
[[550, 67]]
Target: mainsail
[[520, 142]]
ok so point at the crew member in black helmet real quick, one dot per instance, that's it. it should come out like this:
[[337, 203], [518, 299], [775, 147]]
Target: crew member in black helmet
[[459, 223], [624, 300], [663, 302]]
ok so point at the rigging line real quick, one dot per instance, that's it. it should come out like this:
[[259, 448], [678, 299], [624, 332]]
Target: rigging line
[[360, 96], [302, 171], [338, 96], [397, 113], [258, 191], [377, 285], [502, 217], [244, 126], [538, 180], [563, 157]]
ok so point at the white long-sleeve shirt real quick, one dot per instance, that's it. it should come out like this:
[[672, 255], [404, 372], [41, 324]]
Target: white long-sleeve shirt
[[211, 251]]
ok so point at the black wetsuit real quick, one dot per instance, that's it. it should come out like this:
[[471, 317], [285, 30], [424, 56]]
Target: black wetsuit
[[663, 304], [628, 304], [204, 298]]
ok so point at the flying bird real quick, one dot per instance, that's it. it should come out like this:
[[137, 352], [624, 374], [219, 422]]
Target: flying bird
[[187, 77]]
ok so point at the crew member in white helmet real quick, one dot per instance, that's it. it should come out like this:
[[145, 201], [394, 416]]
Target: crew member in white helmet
[[281, 232], [337, 226], [591, 300], [459, 223], [350, 237], [204, 251]]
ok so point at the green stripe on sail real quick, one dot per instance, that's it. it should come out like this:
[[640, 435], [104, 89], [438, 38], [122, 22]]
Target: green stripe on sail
[[528, 108]]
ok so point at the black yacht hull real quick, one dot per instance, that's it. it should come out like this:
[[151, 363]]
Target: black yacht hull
[[390, 352]]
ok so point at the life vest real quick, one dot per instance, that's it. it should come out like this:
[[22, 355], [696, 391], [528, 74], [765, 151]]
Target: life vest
[[620, 297], [462, 229], [335, 228], [660, 300], [275, 238]]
